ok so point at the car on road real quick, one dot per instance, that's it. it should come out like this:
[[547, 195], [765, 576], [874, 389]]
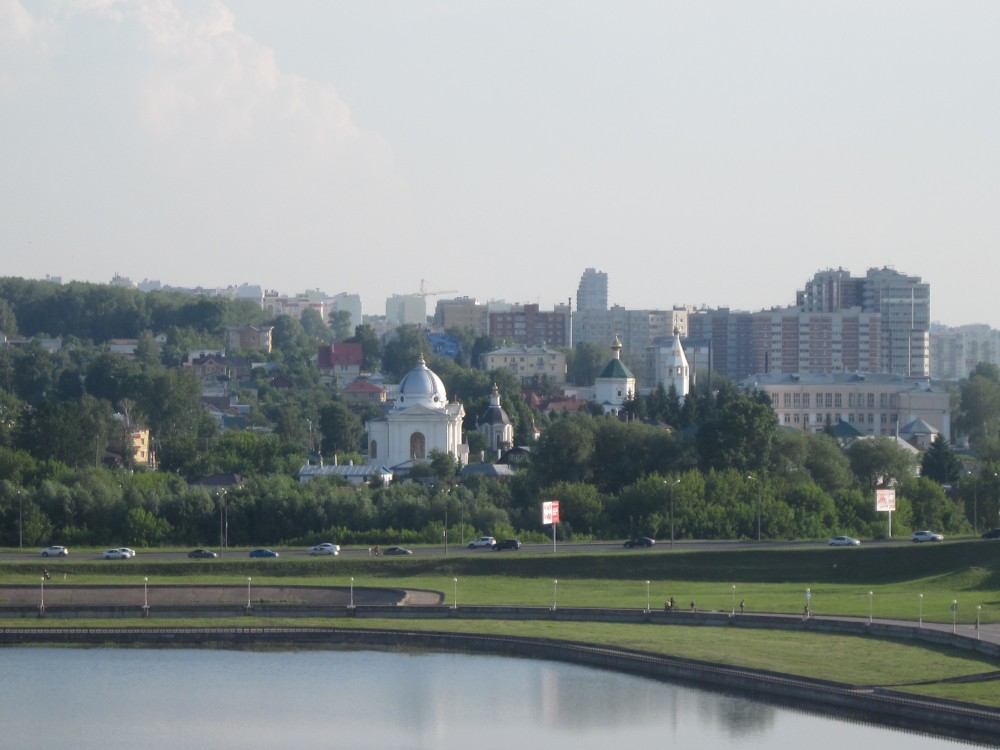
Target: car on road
[[926, 536], [131, 552], [326, 548], [263, 553], [640, 541], [483, 541], [992, 534], [202, 554], [116, 554], [844, 541], [55, 551], [503, 544], [397, 551]]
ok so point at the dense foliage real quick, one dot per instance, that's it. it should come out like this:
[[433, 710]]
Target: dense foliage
[[714, 465]]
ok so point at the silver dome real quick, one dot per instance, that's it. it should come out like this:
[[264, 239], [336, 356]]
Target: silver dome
[[421, 385]]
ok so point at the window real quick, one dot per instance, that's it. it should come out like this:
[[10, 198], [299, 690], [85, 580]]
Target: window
[[837, 400], [788, 400], [797, 399], [871, 400], [373, 449], [829, 400], [418, 445], [805, 400]]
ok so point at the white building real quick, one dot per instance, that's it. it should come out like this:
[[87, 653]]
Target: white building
[[669, 365], [422, 420], [616, 383]]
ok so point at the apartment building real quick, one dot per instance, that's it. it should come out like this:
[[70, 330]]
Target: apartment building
[[528, 326]]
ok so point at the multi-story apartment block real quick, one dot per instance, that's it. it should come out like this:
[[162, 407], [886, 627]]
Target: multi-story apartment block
[[275, 304], [592, 294], [350, 303], [636, 329], [463, 313], [728, 337], [528, 363], [955, 352], [876, 404], [528, 326], [902, 301], [813, 342], [406, 309]]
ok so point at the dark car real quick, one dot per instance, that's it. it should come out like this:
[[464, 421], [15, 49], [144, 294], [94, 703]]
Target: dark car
[[198, 554], [507, 544], [263, 553], [396, 551], [992, 534], [640, 541]]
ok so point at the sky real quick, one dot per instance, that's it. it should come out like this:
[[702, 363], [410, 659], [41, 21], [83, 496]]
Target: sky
[[703, 152]]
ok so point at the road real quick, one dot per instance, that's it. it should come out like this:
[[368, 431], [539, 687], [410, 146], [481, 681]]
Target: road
[[452, 549]]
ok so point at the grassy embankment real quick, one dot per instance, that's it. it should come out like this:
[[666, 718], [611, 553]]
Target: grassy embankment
[[769, 581]]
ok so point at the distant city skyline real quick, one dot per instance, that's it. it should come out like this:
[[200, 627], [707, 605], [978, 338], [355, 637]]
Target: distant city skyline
[[707, 154]]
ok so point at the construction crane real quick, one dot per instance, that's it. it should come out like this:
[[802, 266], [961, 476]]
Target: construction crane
[[424, 292]]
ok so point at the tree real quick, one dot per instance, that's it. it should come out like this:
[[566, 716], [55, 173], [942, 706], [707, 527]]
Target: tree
[[371, 349], [585, 361], [879, 462], [979, 413], [565, 451], [340, 324], [315, 328], [940, 462], [403, 352], [740, 435], [341, 429]]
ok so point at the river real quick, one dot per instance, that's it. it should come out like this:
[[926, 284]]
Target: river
[[150, 699]]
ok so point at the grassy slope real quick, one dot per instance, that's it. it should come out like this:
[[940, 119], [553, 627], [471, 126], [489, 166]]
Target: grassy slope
[[769, 580]]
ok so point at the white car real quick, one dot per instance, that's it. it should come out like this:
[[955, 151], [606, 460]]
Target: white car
[[483, 541], [926, 536], [116, 554], [326, 548], [55, 551], [131, 552], [844, 541]]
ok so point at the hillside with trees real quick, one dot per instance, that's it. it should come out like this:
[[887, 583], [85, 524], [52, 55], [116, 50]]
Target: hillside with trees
[[712, 466]]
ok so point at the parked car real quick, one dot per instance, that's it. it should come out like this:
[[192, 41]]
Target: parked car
[[396, 551], [263, 553], [116, 554], [483, 541], [640, 541], [326, 548], [926, 536], [202, 554], [992, 534], [844, 541], [55, 551], [513, 544]]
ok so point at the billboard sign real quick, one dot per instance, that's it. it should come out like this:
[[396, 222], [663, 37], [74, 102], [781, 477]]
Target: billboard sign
[[550, 512], [885, 500]]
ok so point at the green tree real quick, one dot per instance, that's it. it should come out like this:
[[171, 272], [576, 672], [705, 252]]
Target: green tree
[[585, 361], [565, 451], [342, 431], [740, 435], [402, 353], [879, 462], [371, 348], [940, 462], [979, 413], [340, 325]]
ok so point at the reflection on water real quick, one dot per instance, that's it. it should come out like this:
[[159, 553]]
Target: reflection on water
[[167, 699]]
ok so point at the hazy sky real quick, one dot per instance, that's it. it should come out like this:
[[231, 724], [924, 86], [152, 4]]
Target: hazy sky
[[699, 152]]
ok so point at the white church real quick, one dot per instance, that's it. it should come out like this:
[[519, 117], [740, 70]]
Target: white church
[[421, 420]]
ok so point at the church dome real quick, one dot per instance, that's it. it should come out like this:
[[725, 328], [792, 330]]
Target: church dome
[[421, 385]]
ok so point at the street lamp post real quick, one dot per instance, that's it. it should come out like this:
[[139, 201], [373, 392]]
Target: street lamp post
[[920, 611], [145, 595], [954, 614], [555, 594], [979, 611], [20, 521], [808, 597], [223, 522], [734, 598], [248, 591], [672, 485], [647, 597], [352, 592], [755, 479], [41, 604], [870, 595], [454, 599]]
